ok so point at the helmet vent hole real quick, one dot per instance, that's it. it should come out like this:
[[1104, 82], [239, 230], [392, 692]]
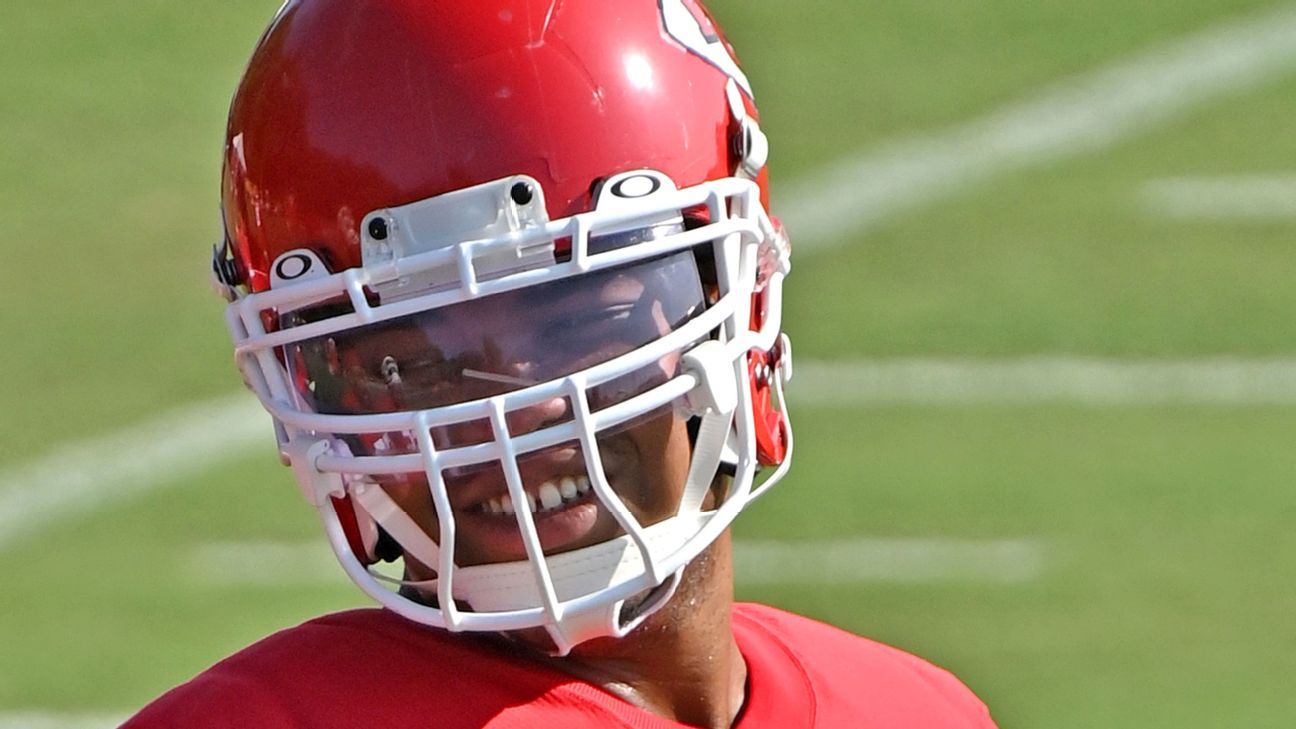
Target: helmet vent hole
[[521, 193]]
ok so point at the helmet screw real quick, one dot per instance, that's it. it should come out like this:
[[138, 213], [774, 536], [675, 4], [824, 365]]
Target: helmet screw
[[378, 229], [521, 193]]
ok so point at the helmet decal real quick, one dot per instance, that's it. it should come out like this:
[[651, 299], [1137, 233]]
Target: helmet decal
[[689, 24], [633, 186], [297, 265]]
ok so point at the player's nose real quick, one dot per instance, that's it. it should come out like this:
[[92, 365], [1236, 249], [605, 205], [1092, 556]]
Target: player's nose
[[517, 420], [535, 417]]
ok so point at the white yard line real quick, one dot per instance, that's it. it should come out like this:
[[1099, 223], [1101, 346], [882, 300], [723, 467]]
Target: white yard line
[[87, 475], [830, 562], [1081, 114], [265, 564], [873, 559], [1214, 381], [1231, 198], [57, 720]]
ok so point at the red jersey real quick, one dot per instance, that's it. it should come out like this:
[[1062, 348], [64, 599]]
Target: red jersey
[[371, 668]]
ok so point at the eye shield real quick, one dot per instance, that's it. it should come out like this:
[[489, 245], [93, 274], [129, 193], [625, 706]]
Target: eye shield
[[500, 343]]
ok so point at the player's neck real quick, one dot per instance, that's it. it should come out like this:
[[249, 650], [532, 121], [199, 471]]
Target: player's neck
[[683, 664]]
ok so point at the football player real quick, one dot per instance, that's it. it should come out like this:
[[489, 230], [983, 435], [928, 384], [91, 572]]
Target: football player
[[504, 276]]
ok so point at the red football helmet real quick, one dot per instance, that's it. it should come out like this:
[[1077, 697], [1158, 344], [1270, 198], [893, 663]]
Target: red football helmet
[[484, 260]]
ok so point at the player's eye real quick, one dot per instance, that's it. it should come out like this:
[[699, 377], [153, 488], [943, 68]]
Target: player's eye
[[603, 324]]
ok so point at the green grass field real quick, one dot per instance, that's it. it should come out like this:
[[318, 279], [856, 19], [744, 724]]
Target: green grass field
[[1168, 582]]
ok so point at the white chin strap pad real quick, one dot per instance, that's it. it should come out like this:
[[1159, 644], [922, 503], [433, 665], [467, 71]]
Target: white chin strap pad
[[607, 621], [592, 570], [512, 585]]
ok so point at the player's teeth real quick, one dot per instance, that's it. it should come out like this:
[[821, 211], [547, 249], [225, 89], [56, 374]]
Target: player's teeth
[[567, 488], [549, 495]]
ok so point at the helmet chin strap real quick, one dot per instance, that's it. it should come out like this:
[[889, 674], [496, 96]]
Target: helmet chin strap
[[594, 584], [611, 621], [581, 579]]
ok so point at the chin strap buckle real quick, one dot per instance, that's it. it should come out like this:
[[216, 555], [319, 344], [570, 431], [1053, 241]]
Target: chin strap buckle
[[717, 388], [315, 485]]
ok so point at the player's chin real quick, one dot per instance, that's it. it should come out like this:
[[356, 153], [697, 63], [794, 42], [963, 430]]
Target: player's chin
[[539, 641]]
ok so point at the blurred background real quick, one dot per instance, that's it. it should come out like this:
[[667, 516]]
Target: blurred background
[[1042, 307]]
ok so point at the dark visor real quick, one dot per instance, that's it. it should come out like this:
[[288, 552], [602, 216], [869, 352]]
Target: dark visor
[[498, 343]]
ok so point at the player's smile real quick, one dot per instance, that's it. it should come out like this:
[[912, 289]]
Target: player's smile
[[555, 494], [559, 497], [561, 523], [564, 508]]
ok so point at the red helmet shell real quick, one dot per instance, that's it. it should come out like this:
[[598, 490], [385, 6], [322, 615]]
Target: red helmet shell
[[348, 106]]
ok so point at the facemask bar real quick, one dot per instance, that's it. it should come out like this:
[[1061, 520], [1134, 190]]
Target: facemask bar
[[658, 552]]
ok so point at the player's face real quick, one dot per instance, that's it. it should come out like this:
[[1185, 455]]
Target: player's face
[[504, 343]]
